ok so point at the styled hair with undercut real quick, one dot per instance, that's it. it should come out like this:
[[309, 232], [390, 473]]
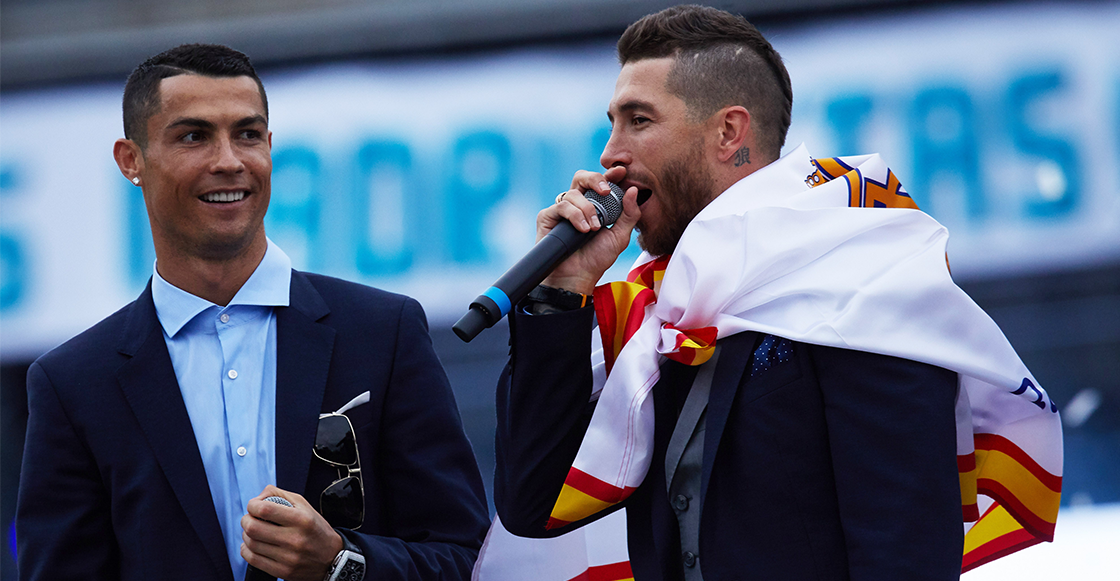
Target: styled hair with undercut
[[721, 60], [141, 92]]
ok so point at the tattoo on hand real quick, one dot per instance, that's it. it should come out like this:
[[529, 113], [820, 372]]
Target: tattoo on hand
[[743, 156]]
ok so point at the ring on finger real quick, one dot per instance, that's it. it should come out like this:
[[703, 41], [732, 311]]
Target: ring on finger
[[560, 198]]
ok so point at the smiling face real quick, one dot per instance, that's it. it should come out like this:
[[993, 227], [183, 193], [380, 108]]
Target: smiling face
[[666, 155], [207, 168]]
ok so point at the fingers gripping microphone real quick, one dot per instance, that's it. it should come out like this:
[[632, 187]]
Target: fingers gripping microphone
[[253, 573], [558, 244], [278, 500]]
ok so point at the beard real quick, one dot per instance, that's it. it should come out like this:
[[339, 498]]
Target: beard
[[686, 188]]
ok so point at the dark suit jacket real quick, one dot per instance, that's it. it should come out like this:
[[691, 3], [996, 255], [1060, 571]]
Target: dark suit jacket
[[834, 465], [113, 486]]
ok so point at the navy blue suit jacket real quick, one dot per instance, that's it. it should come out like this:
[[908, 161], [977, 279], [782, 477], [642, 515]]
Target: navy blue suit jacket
[[833, 465], [113, 485]]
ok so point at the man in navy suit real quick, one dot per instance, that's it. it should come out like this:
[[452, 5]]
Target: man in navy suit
[[155, 437], [775, 459]]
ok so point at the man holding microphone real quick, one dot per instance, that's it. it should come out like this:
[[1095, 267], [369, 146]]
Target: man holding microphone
[[781, 389]]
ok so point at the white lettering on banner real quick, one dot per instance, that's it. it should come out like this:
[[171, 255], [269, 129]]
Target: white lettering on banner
[[424, 177]]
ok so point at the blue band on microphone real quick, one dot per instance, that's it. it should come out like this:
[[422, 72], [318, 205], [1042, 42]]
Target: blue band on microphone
[[499, 297]]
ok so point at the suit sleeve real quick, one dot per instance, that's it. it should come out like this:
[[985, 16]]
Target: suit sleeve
[[63, 521], [543, 413], [431, 485], [892, 435]]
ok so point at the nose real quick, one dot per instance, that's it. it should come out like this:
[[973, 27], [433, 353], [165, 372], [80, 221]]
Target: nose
[[616, 152], [226, 158]]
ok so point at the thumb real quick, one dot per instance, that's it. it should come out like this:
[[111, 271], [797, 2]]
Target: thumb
[[631, 212]]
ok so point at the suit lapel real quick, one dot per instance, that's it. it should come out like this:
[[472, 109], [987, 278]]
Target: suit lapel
[[735, 353], [694, 407], [149, 385], [303, 356]]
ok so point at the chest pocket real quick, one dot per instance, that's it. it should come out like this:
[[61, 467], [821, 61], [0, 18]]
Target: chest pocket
[[771, 352], [773, 365]]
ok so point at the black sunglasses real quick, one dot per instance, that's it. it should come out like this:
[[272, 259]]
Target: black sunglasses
[[343, 502]]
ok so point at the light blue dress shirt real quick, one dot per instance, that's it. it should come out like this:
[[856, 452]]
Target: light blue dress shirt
[[225, 362]]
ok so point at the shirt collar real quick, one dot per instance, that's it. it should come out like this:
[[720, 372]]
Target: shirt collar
[[268, 286]]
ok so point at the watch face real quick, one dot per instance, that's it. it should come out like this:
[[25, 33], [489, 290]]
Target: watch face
[[352, 571]]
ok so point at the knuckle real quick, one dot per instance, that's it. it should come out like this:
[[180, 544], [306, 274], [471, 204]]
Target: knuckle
[[585, 177]]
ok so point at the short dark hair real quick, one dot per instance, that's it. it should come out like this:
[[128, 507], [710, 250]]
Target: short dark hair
[[141, 92], [721, 60]]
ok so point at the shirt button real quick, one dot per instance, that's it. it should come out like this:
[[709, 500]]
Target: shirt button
[[680, 503], [224, 318], [241, 451], [232, 374], [689, 559]]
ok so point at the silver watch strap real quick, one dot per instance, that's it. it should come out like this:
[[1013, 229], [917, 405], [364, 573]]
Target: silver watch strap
[[349, 564]]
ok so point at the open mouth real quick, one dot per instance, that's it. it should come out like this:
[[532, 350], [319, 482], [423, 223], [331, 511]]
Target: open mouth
[[225, 197], [643, 195]]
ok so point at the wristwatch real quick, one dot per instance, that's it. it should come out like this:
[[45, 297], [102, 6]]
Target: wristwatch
[[563, 300], [349, 564]]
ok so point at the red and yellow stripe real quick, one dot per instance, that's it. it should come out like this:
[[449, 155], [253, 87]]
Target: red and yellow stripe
[[997, 534], [582, 496], [613, 572], [1026, 501], [650, 274], [966, 466], [693, 346], [620, 309]]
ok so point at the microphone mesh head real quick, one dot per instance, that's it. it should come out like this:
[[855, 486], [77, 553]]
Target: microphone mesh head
[[278, 500], [610, 206]]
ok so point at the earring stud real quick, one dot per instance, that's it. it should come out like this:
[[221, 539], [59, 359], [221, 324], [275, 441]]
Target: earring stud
[[136, 180]]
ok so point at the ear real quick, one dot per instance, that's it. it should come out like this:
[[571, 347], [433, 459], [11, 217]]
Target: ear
[[735, 133], [129, 159]]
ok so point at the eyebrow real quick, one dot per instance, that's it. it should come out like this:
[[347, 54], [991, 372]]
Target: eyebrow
[[252, 120], [204, 124], [631, 106]]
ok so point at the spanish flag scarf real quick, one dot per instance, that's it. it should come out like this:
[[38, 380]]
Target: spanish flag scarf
[[829, 252]]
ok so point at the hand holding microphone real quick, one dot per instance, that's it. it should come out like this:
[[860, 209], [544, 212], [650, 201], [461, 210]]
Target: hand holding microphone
[[253, 573], [557, 245], [285, 532]]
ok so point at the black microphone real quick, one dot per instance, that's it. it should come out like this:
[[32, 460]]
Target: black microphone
[[496, 301], [253, 573]]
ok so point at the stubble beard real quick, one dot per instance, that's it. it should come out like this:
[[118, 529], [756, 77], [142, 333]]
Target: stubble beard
[[686, 188], [212, 246], [225, 248]]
